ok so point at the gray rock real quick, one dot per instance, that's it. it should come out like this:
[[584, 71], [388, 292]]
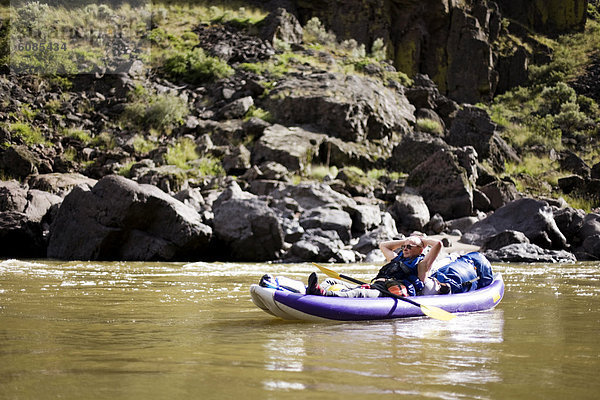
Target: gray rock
[[318, 246], [504, 238], [410, 212], [119, 219], [20, 237], [247, 228], [38, 204], [191, 197], [369, 241], [529, 253], [349, 107], [590, 226], [570, 221], [444, 185], [365, 217], [31, 202], [591, 246], [236, 109], [18, 162], [414, 149], [313, 195], [461, 224], [339, 153], [281, 25], [328, 219], [500, 193], [13, 196], [532, 217], [237, 161], [292, 147], [474, 127]]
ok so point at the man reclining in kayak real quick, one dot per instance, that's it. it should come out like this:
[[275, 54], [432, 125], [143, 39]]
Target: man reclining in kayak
[[408, 273]]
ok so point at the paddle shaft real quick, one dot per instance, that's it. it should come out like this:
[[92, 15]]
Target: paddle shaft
[[431, 311], [359, 282]]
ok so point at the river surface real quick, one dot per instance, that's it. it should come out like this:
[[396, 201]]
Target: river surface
[[89, 330]]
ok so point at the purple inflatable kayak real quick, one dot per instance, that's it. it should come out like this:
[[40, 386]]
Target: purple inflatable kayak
[[296, 306]]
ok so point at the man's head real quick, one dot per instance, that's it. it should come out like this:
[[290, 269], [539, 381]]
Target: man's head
[[413, 247]]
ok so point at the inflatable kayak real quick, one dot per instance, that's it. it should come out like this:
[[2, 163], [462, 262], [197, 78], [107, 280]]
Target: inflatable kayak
[[289, 302]]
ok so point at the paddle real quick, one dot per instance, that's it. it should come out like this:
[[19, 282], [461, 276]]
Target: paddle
[[431, 311]]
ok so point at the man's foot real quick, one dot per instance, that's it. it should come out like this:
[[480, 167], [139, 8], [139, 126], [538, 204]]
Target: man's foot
[[313, 288]]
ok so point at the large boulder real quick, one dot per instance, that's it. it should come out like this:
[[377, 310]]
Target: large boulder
[[444, 185], [13, 196], [328, 219], [369, 242], [281, 26], [246, 228], [365, 217], [410, 212], [349, 107], [532, 217], [472, 126], [291, 147], [499, 193], [320, 246], [59, 183], [528, 253], [34, 204], [18, 161], [119, 219], [20, 236], [414, 149], [312, 195]]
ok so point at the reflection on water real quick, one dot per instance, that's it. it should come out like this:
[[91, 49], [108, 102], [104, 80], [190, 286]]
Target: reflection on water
[[172, 330]]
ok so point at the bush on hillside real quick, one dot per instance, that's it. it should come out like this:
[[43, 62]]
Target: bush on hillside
[[194, 66]]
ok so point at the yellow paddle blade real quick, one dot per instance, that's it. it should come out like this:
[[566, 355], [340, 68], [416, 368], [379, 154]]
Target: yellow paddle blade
[[330, 273], [437, 313]]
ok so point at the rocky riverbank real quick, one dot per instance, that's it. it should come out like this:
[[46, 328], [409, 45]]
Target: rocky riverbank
[[112, 178]]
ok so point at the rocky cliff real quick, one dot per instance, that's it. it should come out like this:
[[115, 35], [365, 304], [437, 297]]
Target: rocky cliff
[[453, 42], [247, 142]]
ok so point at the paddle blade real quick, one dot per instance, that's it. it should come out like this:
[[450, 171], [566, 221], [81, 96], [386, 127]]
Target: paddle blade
[[437, 313], [330, 273]]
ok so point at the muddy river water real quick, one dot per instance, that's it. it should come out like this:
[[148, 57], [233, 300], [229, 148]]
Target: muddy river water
[[117, 330]]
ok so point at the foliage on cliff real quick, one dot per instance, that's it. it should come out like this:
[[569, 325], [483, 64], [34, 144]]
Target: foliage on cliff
[[555, 109]]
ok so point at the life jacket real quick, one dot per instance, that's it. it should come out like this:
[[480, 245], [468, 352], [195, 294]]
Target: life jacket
[[468, 272], [405, 270]]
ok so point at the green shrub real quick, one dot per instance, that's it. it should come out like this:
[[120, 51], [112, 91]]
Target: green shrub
[[104, 141], [158, 111], [315, 32], [208, 166], [320, 171], [429, 126], [194, 66], [353, 49], [570, 119], [378, 50], [258, 112], [554, 97], [28, 134], [142, 145], [380, 174], [83, 136], [180, 153]]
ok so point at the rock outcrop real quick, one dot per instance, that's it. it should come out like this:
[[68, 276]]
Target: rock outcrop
[[119, 219]]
